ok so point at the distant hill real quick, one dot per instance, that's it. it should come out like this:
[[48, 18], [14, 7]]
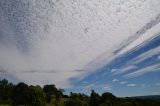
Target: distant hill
[[147, 97]]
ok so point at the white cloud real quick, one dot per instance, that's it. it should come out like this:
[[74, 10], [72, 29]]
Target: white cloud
[[113, 70], [115, 80], [131, 85], [152, 68], [107, 88], [125, 69], [104, 87], [130, 64], [146, 55], [141, 39], [123, 82], [58, 37], [89, 86]]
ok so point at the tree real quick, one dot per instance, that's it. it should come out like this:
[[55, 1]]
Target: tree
[[28, 95], [94, 99], [36, 96], [49, 90], [107, 96], [5, 90], [75, 102], [73, 95], [20, 94], [127, 104], [58, 95]]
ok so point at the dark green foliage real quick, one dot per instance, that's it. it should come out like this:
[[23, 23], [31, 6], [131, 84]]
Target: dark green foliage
[[107, 96], [58, 95], [36, 96], [49, 90], [76, 102], [5, 91], [77, 99], [65, 96], [22, 94], [94, 99]]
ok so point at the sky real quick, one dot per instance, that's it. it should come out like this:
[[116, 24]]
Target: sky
[[80, 45]]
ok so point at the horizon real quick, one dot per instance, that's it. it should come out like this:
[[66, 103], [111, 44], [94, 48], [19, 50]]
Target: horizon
[[88, 94], [109, 46]]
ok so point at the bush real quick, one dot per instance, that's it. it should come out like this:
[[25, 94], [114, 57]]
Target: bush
[[24, 95], [75, 102], [36, 97], [20, 94]]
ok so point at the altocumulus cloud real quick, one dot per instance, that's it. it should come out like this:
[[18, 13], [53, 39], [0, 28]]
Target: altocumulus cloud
[[46, 41]]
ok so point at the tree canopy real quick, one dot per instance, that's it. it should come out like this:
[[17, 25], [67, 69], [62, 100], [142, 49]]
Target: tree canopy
[[23, 94]]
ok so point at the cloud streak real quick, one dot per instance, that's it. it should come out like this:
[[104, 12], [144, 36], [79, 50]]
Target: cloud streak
[[152, 68], [131, 85], [115, 80], [146, 55], [123, 82]]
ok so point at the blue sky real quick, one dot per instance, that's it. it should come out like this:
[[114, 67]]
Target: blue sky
[[130, 74], [106, 45]]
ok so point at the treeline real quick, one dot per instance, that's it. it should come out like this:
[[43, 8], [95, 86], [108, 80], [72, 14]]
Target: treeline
[[49, 95], [23, 94]]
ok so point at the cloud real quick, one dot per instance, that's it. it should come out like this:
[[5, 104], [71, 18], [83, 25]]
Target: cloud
[[135, 41], [104, 87], [48, 41], [145, 85], [146, 55], [131, 65], [152, 68], [115, 80], [123, 82], [157, 84], [131, 85], [125, 69], [130, 43], [107, 88], [113, 70], [90, 86]]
